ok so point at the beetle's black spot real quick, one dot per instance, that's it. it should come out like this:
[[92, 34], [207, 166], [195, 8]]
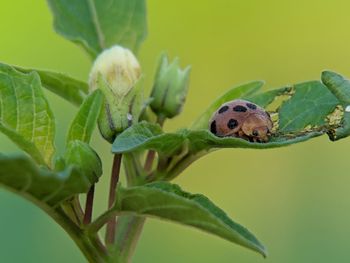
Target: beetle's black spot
[[251, 106], [239, 108], [213, 127], [232, 123], [223, 109]]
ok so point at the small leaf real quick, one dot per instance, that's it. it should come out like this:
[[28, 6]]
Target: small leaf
[[168, 201], [146, 135], [25, 115], [236, 92], [86, 118], [310, 105], [97, 25], [85, 159], [340, 87], [21, 175], [62, 85]]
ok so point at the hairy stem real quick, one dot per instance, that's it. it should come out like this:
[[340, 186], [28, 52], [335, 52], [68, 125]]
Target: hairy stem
[[89, 205], [110, 232]]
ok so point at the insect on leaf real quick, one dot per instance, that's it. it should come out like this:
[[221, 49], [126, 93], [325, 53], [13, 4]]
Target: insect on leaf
[[236, 92]]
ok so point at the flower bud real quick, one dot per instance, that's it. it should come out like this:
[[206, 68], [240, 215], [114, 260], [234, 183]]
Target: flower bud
[[117, 73], [170, 88]]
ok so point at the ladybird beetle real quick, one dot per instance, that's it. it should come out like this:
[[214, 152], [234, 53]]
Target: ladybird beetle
[[243, 119]]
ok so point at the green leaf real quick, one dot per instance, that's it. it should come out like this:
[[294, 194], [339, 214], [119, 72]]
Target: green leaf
[[266, 98], [148, 136], [25, 115], [310, 105], [97, 25], [340, 87], [205, 140], [62, 85], [85, 159], [86, 118], [20, 174], [178, 150], [145, 135], [168, 201], [236, 92]]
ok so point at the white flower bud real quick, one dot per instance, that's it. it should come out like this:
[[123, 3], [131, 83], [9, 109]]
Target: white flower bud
[[117, 72], [119, 68]]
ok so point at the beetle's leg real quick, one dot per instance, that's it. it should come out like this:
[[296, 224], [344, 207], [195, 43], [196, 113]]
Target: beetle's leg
[[241, 134]]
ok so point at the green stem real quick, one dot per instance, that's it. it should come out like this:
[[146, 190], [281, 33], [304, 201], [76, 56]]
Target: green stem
[[87, 247], [133, 169], [71, 211], [182, 164], [151, 154], [128, 232], [96, 225], [129, 227]]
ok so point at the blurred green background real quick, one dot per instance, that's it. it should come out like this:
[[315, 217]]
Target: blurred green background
[[295, 199]]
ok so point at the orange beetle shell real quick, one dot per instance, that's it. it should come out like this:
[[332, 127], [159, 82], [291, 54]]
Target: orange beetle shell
[[243, 119]]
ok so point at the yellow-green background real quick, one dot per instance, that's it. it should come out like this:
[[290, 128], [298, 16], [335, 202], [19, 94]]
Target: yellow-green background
[[295, 199]]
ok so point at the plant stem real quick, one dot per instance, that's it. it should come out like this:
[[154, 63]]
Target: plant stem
[[129, 228], [70, 209], [149, 160], [151, 154], [182, 164], [110, 232], [90, 251], [89, 205]]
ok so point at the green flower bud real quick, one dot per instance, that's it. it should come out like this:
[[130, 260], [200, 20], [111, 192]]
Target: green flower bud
[[117, 73], [170, 88]]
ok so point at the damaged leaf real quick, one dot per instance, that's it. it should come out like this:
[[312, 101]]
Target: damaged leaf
[[340, 87], [309, 105]]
